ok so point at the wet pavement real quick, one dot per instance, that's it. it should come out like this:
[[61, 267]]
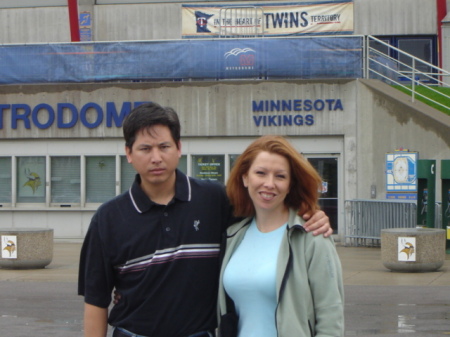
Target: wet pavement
[[44, 303], [379, 302]]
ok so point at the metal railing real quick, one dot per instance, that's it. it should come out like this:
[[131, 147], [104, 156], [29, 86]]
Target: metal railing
[[364, 219], [406, 71], [300, 57], [231, 25]]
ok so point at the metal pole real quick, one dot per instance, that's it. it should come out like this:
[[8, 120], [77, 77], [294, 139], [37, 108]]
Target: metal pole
[[73, 20], [413, 79]]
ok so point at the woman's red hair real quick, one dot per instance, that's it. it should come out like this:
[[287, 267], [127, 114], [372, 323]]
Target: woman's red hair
[[305, 181]]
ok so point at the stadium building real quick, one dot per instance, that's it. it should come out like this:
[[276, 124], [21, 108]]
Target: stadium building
[[318, 72]]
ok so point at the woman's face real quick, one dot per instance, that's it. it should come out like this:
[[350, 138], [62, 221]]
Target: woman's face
[[268, 181]]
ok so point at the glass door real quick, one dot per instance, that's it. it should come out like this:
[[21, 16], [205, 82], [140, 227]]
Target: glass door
[[328, 170]]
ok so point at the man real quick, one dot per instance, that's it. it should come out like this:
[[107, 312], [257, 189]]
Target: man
[[157, 244]]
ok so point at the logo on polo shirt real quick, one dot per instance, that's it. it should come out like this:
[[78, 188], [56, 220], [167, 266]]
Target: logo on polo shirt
[[196, 224]]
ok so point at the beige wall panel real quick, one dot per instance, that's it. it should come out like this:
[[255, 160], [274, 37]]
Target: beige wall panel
[[205, 108], [137, 22], [446, 48], [372, 124], [398, 17], [163, 21], [225, 108], [66, 224], [159, 21], [30, 3], [34, 25], [59, 222], [388, 124]]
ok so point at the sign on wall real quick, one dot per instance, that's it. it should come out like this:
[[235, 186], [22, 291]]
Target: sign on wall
[[401, 175], [277, 19], [406, 249], [209, 167], [9, 246], [85, 26], [32, 178]]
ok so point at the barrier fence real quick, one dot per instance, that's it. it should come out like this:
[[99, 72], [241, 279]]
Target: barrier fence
[[364, 219], [229, 15]]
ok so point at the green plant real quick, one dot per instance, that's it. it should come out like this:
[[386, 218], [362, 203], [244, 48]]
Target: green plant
[[443, 96]]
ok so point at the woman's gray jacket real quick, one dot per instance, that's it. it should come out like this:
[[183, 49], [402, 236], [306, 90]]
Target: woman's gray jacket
[[309, 281]]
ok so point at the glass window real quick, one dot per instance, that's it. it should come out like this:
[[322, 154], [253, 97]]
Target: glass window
[[182, 164], [100, 178], [127, 174], [5, 180], [421, 48], [327, 169], [379, 46], [233, 158], [31, 179], [65, 175], [210, 167]]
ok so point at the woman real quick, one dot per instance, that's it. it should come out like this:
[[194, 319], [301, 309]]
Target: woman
[[282, 281]]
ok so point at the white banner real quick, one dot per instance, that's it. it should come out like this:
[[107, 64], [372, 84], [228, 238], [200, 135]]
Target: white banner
[[306, 18]]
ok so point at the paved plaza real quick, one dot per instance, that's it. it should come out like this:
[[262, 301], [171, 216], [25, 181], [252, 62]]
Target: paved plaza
[[44, 302]]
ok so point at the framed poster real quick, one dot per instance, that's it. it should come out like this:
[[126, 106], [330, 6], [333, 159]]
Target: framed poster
[[401, 175], [406, 249], [31, 177], [210, 167], [9, 247]]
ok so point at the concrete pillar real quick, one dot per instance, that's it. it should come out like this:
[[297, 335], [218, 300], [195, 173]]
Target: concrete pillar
[[26, 248], [413, 249]]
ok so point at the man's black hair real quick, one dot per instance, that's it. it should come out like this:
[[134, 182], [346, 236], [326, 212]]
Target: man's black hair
[[147, 115]]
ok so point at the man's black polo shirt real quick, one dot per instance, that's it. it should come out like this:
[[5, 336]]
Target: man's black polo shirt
[[163, 260]]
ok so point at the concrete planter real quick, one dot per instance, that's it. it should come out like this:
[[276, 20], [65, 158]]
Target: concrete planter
[[26, 248], [413, 249]]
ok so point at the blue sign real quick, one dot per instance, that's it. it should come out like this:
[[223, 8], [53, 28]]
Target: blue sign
[[401, 175], [85, 19]]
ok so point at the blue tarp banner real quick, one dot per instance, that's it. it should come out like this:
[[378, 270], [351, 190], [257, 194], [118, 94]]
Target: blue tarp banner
[[303, 58]]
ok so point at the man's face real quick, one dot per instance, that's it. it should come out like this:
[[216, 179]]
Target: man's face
[[155, 157]]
